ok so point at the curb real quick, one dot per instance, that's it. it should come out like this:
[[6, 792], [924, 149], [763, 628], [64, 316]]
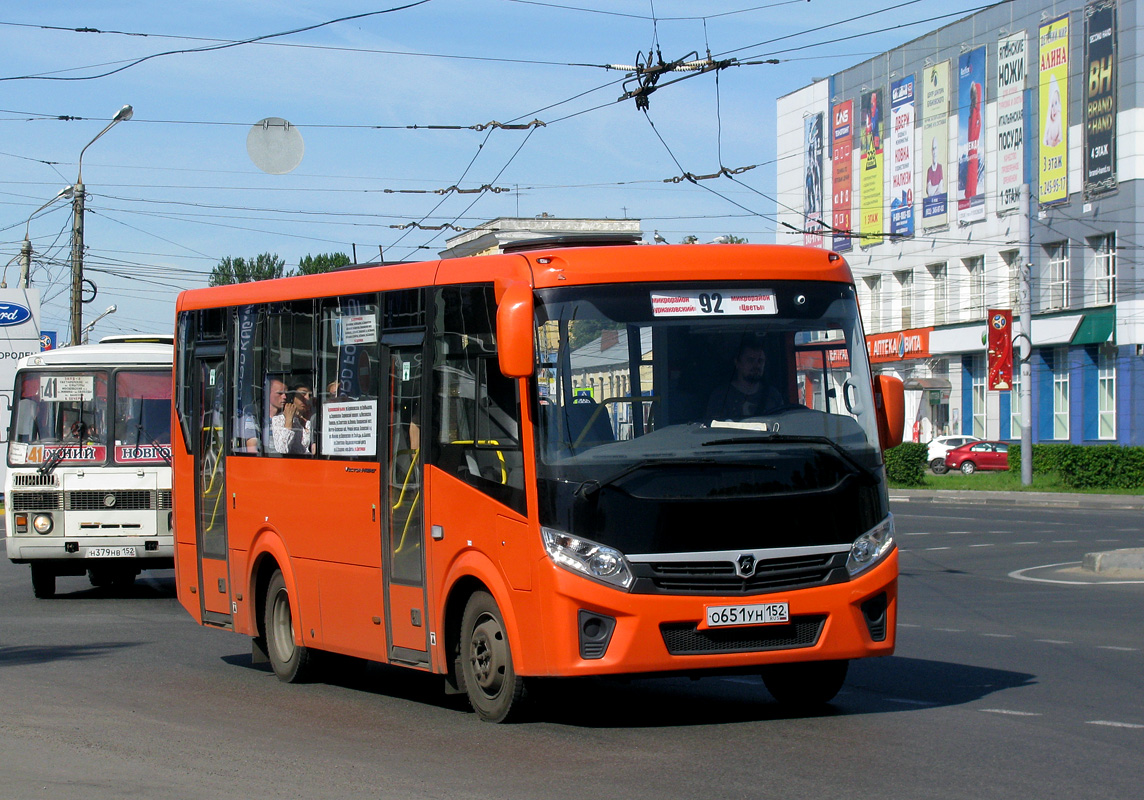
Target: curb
[[1037, 499], [1129, 560]]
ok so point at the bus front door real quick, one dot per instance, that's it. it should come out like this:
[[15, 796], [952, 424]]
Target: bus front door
[[210, 472], [403, 551]]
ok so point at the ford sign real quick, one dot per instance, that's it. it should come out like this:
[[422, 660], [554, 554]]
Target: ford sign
[[13, 314]]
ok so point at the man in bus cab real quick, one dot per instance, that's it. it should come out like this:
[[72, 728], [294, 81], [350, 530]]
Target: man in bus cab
[[746, 395]]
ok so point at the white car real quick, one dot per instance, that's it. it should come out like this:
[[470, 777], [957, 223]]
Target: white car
[[940, 446]]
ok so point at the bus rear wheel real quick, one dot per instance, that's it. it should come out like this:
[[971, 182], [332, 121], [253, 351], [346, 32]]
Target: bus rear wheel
[[43, 581], [495, 691], [292, 662], [805, 685]]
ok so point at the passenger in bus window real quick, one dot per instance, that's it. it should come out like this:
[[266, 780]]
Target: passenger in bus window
[[746, 395], [290, 428]]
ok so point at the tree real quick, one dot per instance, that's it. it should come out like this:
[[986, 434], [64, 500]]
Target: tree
[[323, 262], [240, 270]]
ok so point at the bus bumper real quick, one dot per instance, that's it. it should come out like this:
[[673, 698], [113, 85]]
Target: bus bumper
[[598, 630]]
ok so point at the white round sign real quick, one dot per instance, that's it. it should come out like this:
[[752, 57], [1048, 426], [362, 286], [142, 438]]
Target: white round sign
[[275, 146]]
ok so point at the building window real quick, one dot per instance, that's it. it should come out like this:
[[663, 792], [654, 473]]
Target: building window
[[978, 372], [1012, 259], [874, 289], [1058, 274], [1105, 263], [975, 268], [906, 296], [1015, 421], [939, 275], [1061, 393], [1106, 396]]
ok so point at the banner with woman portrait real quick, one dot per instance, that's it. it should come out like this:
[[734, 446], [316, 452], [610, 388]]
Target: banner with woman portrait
[[970, 136], [812, 180], [935, 144]]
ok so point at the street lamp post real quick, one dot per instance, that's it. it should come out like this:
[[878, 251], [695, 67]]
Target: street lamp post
[[91, 325], [26, 248], [77, 232]]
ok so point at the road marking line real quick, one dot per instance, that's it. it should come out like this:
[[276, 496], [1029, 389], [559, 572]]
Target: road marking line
[[1064, 541], [950, 630], [1108, 540], [938, 548], [907, 625], [907, 702], [1019, 574], [1052, 641], [1010, 712], [999, 635], [916, 533], [1026, 542], [1110, 724], [980, 545], [1118, 649]]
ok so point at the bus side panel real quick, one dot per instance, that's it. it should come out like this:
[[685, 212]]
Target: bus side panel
[[187, 578], [484, 539], [327, 523]]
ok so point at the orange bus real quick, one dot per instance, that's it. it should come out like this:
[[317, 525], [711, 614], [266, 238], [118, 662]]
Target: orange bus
[[558, 461]]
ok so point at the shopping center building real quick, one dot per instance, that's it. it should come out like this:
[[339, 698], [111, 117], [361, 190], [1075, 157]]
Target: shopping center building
[[1008, 142]]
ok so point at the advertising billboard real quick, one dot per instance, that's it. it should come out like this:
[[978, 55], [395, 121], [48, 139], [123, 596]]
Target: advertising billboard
[[1053, 116], [1011, 69], [1100, 101], [902, 157], [970, 141], [872, 182], [812, 172], [842, 175], [935, 143]]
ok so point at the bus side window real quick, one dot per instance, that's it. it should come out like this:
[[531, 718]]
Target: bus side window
[[476, 409]]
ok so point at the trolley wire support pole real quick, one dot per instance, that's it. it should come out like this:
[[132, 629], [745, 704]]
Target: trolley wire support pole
[[1025, 303]]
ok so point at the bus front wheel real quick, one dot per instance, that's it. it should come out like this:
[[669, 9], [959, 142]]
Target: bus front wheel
[[43, 581], [807, 684], [495, 691], [292, 662]]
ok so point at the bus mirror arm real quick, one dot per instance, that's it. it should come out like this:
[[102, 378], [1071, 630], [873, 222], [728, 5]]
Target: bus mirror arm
[[889, 400], [514, 331]]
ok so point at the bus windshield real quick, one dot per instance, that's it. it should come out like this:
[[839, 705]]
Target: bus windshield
[[681, 409], [142, 416], [60, 416]]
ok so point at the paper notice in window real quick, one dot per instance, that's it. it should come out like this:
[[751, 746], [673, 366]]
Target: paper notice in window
[[350, 428]]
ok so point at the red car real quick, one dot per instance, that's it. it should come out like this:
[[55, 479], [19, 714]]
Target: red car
[[978, 455]]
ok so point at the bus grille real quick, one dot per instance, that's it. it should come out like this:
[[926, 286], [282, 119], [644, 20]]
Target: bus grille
[[35, 501], [124, 500], [164, 499], [685, 639], [720, 577], [35, 479]]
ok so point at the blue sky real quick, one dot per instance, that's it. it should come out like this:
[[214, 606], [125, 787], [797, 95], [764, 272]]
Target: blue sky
[[172, 191]]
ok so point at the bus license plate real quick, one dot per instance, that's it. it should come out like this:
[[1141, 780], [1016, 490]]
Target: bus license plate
[[760, 614], [110, 552]]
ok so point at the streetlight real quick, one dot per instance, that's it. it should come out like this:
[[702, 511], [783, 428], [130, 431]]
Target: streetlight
[[26, 248], [110, 310], [77, 232]]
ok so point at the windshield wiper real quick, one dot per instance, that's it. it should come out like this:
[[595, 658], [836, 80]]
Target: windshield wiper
[[53, 461], [787, 439]]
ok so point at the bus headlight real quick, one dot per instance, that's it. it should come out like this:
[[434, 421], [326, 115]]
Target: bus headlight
[[588, 558], [869, 548], [42, 523]]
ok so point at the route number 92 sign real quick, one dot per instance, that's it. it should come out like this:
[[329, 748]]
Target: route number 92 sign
[[713, 303]]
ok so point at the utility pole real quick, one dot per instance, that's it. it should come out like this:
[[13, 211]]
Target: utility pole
[[1025, 301], [77, 265], [124, 113]]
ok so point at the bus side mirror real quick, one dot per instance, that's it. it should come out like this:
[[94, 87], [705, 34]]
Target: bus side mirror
[[514, 331], [889, 400]]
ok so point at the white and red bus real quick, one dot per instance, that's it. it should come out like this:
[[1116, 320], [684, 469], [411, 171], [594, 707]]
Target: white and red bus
[[88, 488], [517, 466]]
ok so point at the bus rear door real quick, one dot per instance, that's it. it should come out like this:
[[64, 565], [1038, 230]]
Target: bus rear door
[[210, 472]]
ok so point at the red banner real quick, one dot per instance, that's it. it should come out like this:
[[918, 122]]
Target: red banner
[[1000, 350]]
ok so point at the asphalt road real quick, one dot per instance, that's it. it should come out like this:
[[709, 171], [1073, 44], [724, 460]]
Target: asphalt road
[[1016, 676]]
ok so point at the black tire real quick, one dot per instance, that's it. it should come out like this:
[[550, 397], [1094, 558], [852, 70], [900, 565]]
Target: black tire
[[495, 691], [968, 468], [292, 662], [43, 581], [938, 466], [806, 685]]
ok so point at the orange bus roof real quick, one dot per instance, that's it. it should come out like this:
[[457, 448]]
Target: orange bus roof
[[547, 268]]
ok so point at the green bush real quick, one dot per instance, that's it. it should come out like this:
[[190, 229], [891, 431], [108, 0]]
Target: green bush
[[1105, 466], [1046, 457], [906, 464]]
